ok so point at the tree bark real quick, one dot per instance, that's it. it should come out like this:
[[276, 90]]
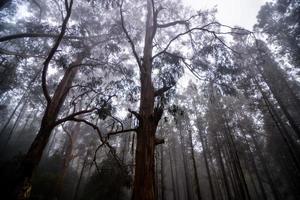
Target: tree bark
[[144, 178], [35, 152]]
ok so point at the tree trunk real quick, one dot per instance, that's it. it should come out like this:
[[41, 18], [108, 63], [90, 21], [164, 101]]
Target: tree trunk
[[281, 127], [144, 160], [175, 197], [274, 190], [185, 167], [236, 161], [67, 159], [204, 151], [77, 188], [144, 178], [281, 90], [221, 165], [162, 175], [10, 134], [252, 161], [11, 115], [198, 192], [35, 152]]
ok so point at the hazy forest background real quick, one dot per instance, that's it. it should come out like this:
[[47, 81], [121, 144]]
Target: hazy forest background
[[148, 100]]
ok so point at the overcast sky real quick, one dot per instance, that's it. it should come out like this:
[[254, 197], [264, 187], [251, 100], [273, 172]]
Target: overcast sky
[[232, 12]]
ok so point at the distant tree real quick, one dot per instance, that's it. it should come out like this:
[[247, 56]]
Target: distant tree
[[280, 21]]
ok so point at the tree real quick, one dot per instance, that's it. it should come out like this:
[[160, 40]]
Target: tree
[[279, 20]]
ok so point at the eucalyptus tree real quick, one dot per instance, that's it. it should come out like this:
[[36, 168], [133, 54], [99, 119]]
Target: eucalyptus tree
[[279, 20], [82, 53], [169, 29]]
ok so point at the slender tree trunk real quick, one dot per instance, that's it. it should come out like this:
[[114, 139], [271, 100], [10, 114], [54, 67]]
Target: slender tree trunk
[[274, 190], [281, 127], [221, 164], [236, 161], [174, 188], [232, 172], [198, 192], [21, 133], [10, 134], [252, 161], [77, 188], [67, 158], [12, 115], [204, 150], [162, 175], [185, 167], [281, 90], [176, 172]]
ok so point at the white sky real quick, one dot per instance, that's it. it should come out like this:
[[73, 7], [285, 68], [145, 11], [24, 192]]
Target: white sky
[[232, 12]]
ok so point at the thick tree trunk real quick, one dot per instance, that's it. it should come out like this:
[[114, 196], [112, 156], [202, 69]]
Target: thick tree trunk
[[144, 170], [35, 152], [33, 156], [144, 178]]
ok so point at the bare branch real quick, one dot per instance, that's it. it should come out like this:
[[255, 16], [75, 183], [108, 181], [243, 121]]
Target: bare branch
[[103, 140], [72, 116], [137, 115], [122, 131], [203, 28], [181, 22], [52, 52], [129, 38], [161, 91]]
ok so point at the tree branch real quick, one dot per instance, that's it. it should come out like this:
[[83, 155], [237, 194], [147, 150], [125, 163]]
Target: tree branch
[[72, 116], [36, 35], [52, 52], [161, 91], [181, 22], [203, 28], [137, 115], [129, 38], [122, 131]]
